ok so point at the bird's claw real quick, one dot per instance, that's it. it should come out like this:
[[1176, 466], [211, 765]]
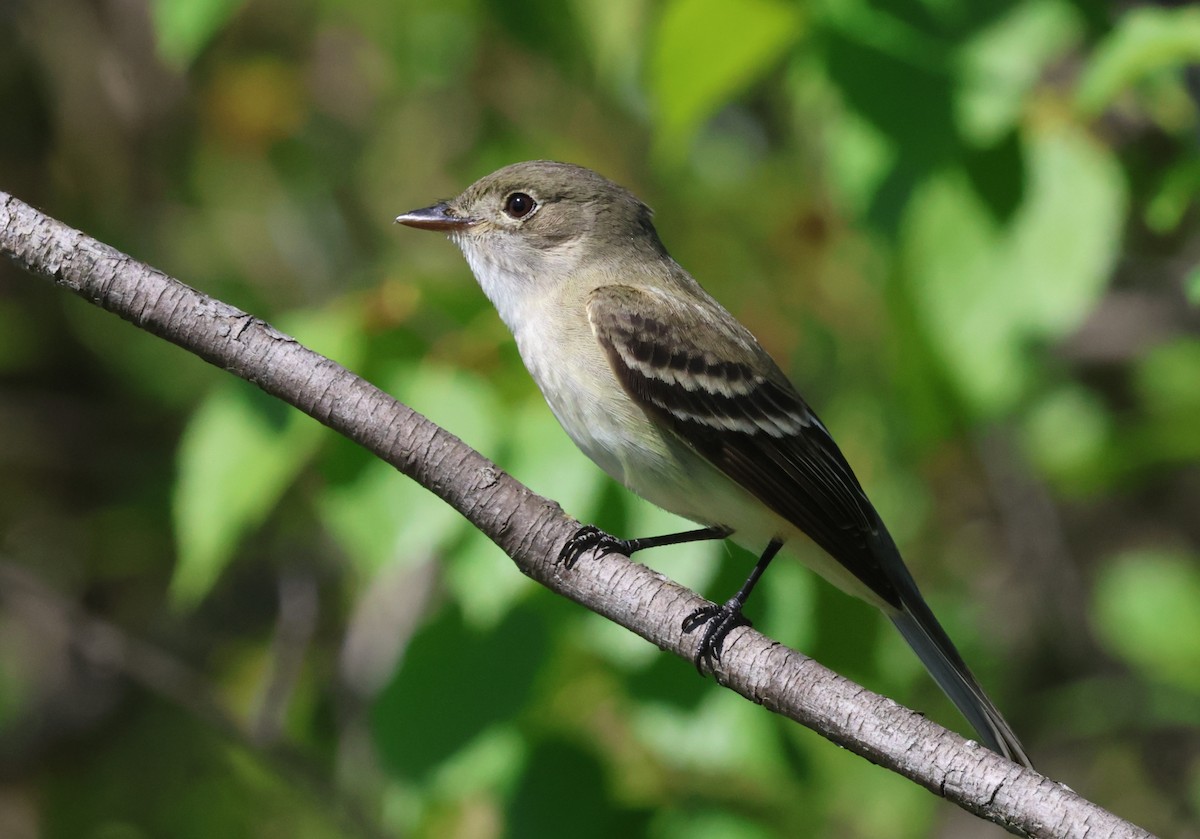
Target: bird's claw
[[720, 621], [589, 538]]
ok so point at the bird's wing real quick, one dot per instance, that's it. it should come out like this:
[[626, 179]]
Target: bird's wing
[[696, 371]]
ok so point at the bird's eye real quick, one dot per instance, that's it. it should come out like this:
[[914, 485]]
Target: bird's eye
[[518, 205]]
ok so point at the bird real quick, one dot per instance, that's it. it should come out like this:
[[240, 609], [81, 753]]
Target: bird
[[663, 389]]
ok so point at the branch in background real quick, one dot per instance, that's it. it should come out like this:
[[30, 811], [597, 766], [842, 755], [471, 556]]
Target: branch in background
[[110, 649], [532, 529]]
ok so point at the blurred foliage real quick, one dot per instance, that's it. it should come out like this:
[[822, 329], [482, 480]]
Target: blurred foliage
[[969, 229]]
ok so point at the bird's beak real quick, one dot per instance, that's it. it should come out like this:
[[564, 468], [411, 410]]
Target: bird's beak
[[440, 216]]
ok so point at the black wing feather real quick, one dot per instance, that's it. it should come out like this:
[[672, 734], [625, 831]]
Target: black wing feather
[[730, 403]]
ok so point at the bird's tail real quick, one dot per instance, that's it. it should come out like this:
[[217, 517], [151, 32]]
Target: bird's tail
[[938, 655], [933, 646]]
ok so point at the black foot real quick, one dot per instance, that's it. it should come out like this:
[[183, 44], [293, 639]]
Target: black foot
[[720, 621], [589, 538]]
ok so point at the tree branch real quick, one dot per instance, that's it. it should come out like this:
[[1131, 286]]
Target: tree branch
[[109, 649], [532, 529]]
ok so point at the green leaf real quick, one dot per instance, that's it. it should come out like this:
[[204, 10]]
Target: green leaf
[[454, 684], [1001, 64], [1191, 286], [1067, 434], [1147, 610], [1065, 240], [563, 792], [1146, 40], [860, 158], [1166, 378], [985, 291], [1175, 194], [184, 27], [685, 737], [1165, 381], [239, 453], [694, 823], [706, 51], [382, 517], [605, 27], [485, 583], [548, 27]]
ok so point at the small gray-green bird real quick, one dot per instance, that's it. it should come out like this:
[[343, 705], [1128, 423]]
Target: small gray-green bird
[[659, 385]]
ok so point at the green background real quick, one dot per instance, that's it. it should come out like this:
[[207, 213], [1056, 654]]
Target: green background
[[968, 229]]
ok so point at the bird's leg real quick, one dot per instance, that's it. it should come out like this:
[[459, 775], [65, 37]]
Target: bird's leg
[[723, 619], [588, 538]]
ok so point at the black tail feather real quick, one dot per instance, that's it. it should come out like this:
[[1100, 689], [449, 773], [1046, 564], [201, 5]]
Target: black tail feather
[[937, 652]]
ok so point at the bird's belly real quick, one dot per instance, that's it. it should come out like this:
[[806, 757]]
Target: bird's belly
[[623, 441]]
